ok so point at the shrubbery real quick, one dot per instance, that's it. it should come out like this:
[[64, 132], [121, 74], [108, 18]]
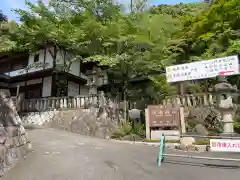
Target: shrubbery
[[127, 129]]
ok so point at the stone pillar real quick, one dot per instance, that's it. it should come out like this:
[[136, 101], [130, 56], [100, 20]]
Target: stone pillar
[[78, 102], [182, 121], [147, 124], [61, 103], [65, 103], [227, 122]]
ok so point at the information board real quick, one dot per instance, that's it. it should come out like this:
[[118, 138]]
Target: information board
[[225, 145], [161, 116], [203, 69]]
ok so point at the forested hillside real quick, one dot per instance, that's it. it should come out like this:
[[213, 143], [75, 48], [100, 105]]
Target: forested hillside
[[140, 43], [180, 10]]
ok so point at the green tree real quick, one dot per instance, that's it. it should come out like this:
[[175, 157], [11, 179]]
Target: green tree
[[214, 32], [131, 45]]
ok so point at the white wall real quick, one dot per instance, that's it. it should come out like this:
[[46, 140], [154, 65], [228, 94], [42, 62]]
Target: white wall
[[73, 89], [48, 63], [47, 86], [84, 90], [93, 90], [31, 62], [59, 58], [75, 68], [156, 134], [49, 59]]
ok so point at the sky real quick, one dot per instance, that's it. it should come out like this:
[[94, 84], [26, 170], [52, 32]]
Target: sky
[[7, 5]]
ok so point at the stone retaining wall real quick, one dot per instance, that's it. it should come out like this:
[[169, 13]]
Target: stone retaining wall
[[99, 122], [14, 143]]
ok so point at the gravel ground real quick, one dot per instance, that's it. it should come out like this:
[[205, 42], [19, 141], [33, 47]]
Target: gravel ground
[[63, 155]]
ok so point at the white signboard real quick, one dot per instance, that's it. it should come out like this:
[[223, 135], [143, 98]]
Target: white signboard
[[203, 69], [225, 145]]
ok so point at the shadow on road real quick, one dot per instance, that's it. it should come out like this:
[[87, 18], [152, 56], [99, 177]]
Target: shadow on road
[[186, 163]]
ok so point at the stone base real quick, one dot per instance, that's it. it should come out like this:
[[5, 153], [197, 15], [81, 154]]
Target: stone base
[[230, 134], [156, 134]]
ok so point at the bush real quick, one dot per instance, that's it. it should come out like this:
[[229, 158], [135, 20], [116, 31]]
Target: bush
[[139, 130], [123, 130], [236, 124], [126, 129], [202, 142], [158, 140]]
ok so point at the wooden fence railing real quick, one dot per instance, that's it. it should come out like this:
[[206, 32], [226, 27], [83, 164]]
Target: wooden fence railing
[[193, 100], [197, 100], [41, 104]]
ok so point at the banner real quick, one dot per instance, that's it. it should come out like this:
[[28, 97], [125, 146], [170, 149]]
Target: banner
[[203, 69]]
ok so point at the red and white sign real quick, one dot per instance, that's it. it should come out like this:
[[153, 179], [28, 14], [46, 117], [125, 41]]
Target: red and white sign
[[225, 145]]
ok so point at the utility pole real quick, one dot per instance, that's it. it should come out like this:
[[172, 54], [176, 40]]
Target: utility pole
[[131, 6]]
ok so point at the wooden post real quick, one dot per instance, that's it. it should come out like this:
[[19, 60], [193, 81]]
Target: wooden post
[[18, 87], [147, 124], [181, 88], [182, 121]]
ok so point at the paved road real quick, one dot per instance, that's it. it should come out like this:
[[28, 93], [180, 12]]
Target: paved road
[[60, 155]]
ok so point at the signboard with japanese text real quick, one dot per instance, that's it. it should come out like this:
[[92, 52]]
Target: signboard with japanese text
[[162, 116], [225, 145], [203, 69]]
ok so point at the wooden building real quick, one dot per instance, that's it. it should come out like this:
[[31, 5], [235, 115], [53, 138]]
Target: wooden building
[[41, 75]]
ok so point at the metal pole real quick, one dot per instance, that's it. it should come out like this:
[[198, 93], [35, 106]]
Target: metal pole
[[131, 6], [201, 157]]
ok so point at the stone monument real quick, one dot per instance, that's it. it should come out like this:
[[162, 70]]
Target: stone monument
[[135, 116], [225, 104]]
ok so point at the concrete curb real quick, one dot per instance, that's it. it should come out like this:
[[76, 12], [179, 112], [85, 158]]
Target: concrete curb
[[154, 144], [202, 148], [32, 126]]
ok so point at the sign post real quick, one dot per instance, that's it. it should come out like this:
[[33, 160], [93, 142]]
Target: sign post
[[161, 116]]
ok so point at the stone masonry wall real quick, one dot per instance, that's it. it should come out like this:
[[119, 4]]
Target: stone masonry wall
[[94, 121], [14, 143]]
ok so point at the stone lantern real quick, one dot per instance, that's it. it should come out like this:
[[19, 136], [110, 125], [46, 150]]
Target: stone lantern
[[225, 104], [135, 116], [92, 81]]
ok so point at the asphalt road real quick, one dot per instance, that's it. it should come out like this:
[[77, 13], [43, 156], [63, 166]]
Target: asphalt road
[[60, 155]]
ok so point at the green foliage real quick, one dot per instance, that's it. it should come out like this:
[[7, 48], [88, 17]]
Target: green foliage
[[127, 129], [214, 32], [123, 130], [180, 10], [139, 130], [236, 123], [193, 88], [136, 44], [160, 88], [202, 142]]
